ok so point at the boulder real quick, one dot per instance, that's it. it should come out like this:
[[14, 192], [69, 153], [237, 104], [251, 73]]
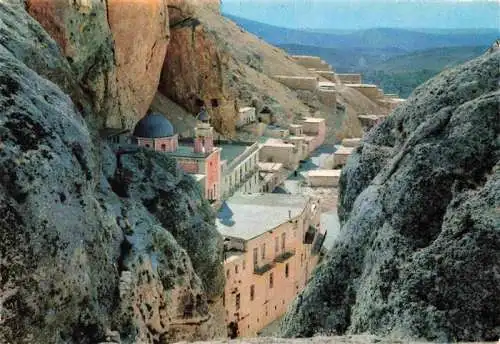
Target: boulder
[[419, 251]]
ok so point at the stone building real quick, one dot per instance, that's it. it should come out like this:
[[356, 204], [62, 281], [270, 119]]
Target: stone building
[[240, 169], [272, 246], [246, 116], [315, 128], [278, 151], [271, 175], [200, 158]]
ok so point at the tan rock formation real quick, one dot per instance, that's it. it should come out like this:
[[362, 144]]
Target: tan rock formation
[[99, 39], [195, 71]]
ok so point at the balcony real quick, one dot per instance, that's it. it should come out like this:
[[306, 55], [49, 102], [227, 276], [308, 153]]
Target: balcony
[[284, 256], [260, 270]]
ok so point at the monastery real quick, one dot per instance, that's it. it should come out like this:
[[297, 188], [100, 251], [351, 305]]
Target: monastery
[[273, 243]]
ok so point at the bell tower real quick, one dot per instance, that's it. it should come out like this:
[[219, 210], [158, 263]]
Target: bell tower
[[204, 133]]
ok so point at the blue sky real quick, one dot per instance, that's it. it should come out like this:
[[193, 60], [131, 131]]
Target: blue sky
[[362, 14]]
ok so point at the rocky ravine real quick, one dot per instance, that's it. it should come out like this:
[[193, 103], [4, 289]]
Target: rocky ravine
[[94, 245], [419, 251]]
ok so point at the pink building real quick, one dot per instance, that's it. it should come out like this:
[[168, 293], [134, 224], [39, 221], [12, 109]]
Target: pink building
[[272, 246], [202, 159]]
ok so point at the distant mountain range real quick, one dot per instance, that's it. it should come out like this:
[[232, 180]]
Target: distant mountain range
[[396, 59], [401, 40]]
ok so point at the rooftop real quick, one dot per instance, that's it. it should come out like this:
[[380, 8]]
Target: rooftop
[[231, 151], [270, 166], [247, 108], [313, 120], [342, 150], [255, 214], [296, 77], [187, 151], [324, 173], [362, 85], [154, 125], [296, 126]]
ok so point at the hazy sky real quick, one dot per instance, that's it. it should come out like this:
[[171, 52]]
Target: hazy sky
[[358, 14]]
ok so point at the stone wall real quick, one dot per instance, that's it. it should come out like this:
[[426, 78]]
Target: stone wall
[[350, 78], [298, 82], [328, 97], [313, 62]]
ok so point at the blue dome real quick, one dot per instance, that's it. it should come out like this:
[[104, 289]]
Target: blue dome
[[203, 115], [154, 125]]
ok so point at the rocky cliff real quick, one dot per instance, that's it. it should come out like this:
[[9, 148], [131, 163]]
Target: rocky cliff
[[419, 251], [95, 245], [100, 40]]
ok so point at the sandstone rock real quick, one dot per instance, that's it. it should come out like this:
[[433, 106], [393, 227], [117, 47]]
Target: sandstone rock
[[77, 256], [195, 70], [418, 255], [99, 39]]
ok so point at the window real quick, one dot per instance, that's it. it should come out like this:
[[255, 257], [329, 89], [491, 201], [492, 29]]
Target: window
[[271, 280], [227, 274], [223, 299], [243, 265], [215, 103], [286, 270], [276, 245], [237, 301], [283, 243], [263, 251], [301, 259], [236, 269], [252, 292], [147, 145], [255, 256]]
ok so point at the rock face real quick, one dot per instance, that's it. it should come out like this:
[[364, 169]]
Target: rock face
[[195, 70], [419, 252], [99, 39], [86, 251]]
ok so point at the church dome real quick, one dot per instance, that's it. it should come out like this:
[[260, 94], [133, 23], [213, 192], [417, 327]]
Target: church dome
[[203, 115], [154, 125]]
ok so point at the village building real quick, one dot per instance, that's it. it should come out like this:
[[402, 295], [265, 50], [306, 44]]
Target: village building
[[370, 91], [246, 116], [271, 175], [307, 83], [323, 178], [341, 154], [350, 78], [315, 128], [351, 142], [276, 131], [201, 158], [276, 150], [240, 168], [272, 244]]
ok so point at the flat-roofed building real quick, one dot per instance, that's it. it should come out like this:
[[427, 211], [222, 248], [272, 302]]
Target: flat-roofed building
[[350, 78], [323, 178], [272, 174], [341, 154], [239, 167], [272, 245], [246, 116], [351, 142], [315, 127], [275, 150], [276, 131], [307, 83]]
